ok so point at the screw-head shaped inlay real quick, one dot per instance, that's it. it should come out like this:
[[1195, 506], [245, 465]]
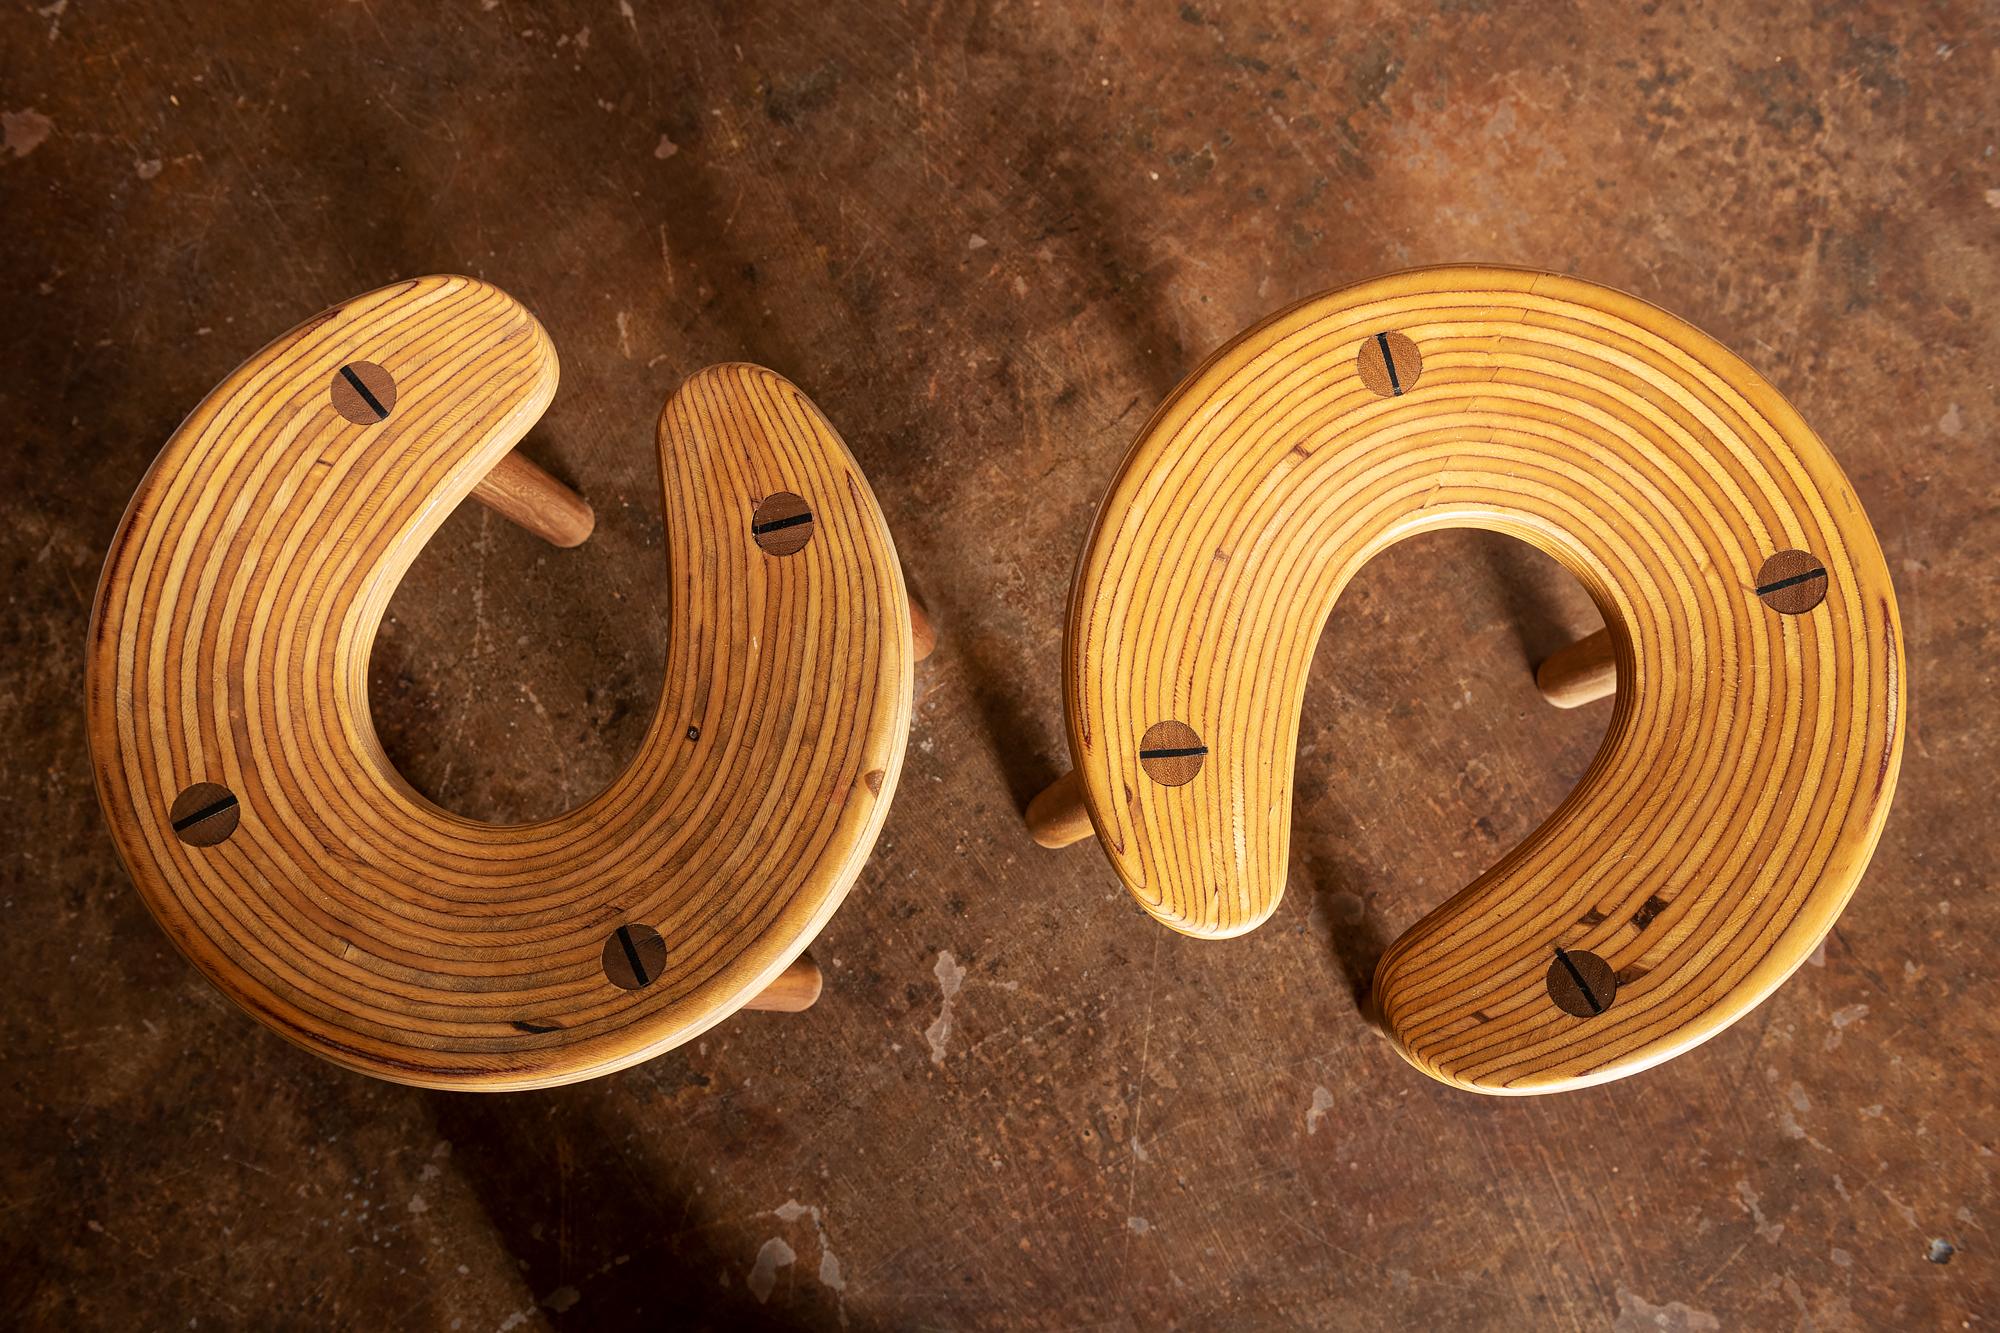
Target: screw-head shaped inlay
[[1581, 983], [363, 392], [782, 524], [1792, 582], [634, 956], [1389, 364], [204, 814], [1171, 753]]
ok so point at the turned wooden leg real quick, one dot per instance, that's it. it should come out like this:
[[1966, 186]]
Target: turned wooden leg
[[518, 490], [923, 638], [795, 989], [1056, 817], [1582, 673]]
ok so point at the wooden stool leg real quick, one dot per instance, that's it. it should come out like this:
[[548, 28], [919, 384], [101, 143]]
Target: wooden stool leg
[[795, 989], [518, 490], [1582, 673], [1056, 817], [923, 637]]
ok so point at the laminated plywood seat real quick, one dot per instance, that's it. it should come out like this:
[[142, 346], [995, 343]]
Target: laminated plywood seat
[[238, 766], [1751, 639]]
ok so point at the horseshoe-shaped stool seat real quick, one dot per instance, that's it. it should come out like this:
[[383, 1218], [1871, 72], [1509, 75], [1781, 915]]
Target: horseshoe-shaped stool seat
[[238, 766], [1750, 629]]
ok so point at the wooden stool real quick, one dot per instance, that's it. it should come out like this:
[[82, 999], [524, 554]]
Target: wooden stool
[[238, 765], [1750, 629]]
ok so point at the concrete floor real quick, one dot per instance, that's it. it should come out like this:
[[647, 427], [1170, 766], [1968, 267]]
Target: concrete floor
[[987, 239]]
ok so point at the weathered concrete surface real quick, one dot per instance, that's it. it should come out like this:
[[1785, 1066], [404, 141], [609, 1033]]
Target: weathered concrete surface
[[987, 239]]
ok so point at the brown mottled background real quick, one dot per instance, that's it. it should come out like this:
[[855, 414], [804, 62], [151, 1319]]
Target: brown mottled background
[[987, 238]]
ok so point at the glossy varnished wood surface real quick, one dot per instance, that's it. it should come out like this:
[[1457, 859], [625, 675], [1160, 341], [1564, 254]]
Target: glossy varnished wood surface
[[230, 645], [1752, 754]]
